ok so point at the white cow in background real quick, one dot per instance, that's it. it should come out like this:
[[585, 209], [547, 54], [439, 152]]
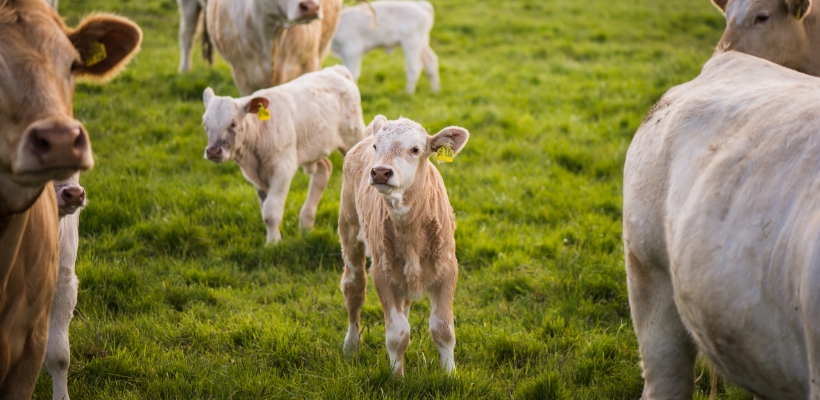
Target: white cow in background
[[397, 23], [310, 117], [722, 231], [70, 200]]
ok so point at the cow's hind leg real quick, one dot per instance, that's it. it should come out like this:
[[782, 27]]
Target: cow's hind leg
[[441, 321], [412, 48], [667, 351], [319, 177], [430, 61], [189, 11]]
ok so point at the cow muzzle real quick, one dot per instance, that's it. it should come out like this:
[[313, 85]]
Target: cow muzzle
[[380, 178], [215, 154], [309, 10], [53, 148], [70, 199]]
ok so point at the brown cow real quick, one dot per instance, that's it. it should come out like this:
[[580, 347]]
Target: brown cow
[[394, 208], [39, 141], [785, 32]]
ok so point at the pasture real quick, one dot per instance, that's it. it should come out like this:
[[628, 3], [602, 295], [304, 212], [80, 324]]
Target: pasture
[[180, 299]]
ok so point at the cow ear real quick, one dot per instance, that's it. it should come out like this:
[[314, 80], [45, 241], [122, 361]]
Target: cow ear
[[798, 8], [106, 43], [720, 4], [376, 125], [207, 96], [454, 136], [253, 105]]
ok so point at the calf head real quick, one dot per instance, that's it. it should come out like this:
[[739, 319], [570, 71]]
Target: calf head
[[770, 29], [70, 195], [293, 12], [40, 58], [400, 152], [224, 122]]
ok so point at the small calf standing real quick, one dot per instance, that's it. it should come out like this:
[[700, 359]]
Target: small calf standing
[[394, 209], [309, 118], [398, 23], [70, 200]]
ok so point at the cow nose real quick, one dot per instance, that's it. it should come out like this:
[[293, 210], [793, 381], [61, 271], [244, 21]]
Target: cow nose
[[214, 152], [60, 145], [309, 9], [73, 196], [381, 174]]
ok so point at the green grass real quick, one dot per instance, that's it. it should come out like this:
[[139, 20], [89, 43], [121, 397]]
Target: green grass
[[180, 299]]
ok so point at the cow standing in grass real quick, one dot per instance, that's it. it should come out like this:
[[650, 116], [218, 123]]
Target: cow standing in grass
[[310, 117], [39, 141], [721, 231], [394, 209], [396, 23]]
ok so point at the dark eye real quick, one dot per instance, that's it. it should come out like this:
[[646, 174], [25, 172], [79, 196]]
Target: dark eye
[[374, 147], [233, 125], [415, 150], [76, 65], [761, 18]]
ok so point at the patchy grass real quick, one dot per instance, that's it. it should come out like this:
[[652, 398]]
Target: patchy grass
[[179, 297]]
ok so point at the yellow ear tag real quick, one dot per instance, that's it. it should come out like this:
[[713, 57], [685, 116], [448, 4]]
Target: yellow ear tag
[[263, 113], [445, 153], [96, 54]]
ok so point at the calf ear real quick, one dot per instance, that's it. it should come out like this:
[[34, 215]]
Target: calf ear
[[455, 136], [106, 43], [376, 125], [720, 4], [207, 96], [253, 105], [798, 8]]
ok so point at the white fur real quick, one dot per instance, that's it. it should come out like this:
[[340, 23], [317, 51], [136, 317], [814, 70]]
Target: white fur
[[397, 23], [396, 332]]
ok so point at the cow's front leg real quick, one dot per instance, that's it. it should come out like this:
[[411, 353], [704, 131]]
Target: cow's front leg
[[667, 351], [319, 177], [189, 12], [441, 319], [396, 325], [273, 207]]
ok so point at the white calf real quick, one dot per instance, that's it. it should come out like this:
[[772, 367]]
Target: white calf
[[398, 23]]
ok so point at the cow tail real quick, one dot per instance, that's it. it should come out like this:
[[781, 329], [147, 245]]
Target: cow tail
[[207, 46]]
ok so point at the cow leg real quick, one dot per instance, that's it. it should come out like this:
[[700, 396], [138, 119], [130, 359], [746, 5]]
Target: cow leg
[[441, 320], [430, 61], [58, 354], [809, 292], [396, 324], [353, 61], [189, 11], [273, 208], [354, 278], [413, 64], [667, 351], [319, 177], [21, 377]]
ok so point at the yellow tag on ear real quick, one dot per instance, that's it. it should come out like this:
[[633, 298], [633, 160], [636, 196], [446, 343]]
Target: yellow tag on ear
[[96, 54], [263, 113], [445, 153]]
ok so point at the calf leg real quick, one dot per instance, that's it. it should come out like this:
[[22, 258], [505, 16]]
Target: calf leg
[[354, 281], [667, 351], [273, 208], [58, 354], [441, 321], [413, 65], [396, 325], [319, 177], [353, 62], [430, 60], [189, 11]]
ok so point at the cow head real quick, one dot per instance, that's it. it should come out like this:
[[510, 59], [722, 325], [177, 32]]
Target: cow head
[[224, 120], [294, 12], [770, 29], [40, 58], [400, 152], [70, 195]]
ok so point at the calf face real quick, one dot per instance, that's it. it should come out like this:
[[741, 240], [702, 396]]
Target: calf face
[[769, 29], [40, 58], [70, 195], [224, 119], [400, 147]]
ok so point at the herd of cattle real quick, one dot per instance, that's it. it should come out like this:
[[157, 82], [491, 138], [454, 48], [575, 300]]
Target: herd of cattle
[[721, 218]]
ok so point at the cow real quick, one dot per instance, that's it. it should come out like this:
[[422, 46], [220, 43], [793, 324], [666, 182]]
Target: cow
[[785, 32], [40, 141], [720, 228], [397, 23], [70, 200], [266, 43], [273, 132], [394, 209]]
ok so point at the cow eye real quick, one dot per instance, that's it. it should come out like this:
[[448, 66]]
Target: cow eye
[[374, 147], [75, 65], [233, 125], [761, 18], [415, 150]]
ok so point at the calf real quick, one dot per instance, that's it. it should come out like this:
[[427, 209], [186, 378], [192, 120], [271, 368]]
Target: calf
[[786, 32], [397, 23], [40, 141], [394, 209], [266, 43], [70, 200], [310, 118], [721, 231]]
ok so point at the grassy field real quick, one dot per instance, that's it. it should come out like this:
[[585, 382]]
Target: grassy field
[[180, 299]]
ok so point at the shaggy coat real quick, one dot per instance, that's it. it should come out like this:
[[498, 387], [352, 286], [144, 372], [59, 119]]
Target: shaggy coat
[[394, 208], [721, 231]]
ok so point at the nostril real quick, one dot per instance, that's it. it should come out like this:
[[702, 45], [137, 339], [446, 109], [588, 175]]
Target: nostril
[[388, 173], [39, 145], [373, 172], [303, 7], [80, 143]]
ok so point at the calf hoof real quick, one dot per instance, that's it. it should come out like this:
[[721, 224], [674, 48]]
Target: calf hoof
[[306, 222], [273, 237], [352, 339]]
